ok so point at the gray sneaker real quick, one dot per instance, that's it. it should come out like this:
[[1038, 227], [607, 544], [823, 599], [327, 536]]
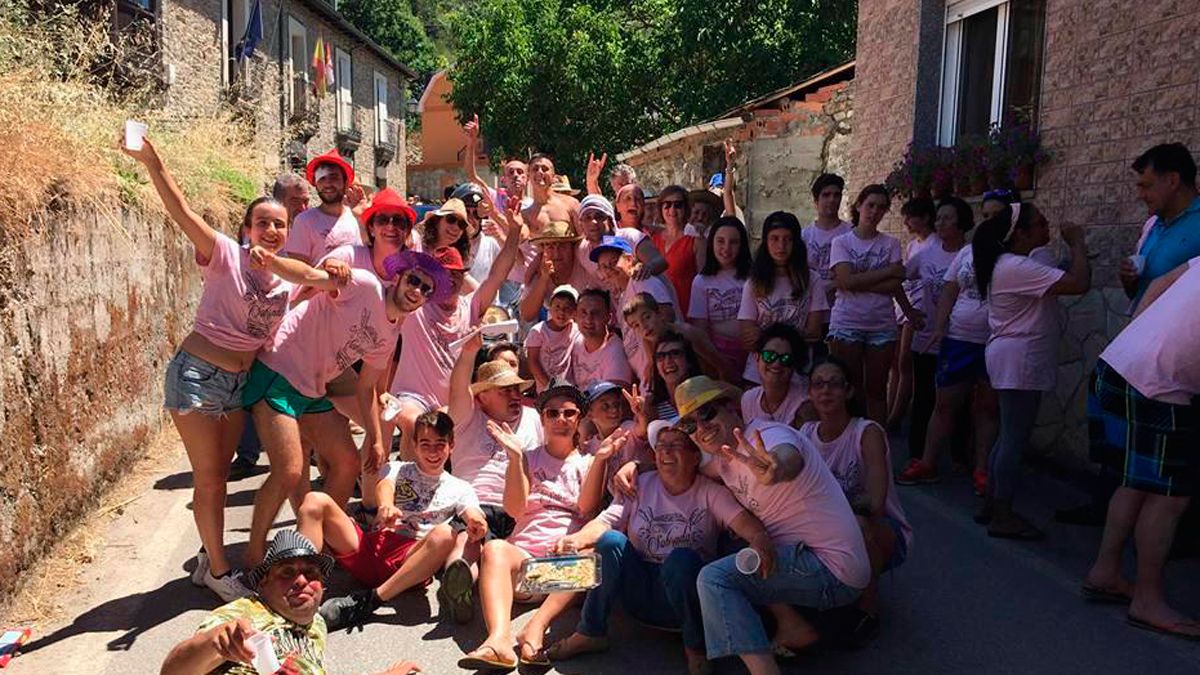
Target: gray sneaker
[[229, 587], [202, 568], [456, 594], [349, 611]]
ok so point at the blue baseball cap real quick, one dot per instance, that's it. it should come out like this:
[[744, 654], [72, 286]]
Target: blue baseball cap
[[597, 389], [717, 182], [610, 242]]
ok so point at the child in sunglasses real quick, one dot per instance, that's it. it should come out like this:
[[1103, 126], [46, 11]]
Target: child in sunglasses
[[781, 355]]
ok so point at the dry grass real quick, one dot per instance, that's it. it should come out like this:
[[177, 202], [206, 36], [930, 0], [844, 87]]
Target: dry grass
[[60, 121]]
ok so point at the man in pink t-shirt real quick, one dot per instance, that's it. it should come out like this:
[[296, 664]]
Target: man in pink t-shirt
[[332, 224], [597, 354]]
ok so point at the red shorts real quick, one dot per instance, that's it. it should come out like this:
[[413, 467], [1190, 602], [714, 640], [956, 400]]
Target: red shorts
[[379, 554]]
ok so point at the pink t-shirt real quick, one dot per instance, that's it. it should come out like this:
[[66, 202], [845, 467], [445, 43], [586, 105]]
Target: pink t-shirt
[[927, 267], [969, 317], [659, 522], [552, 510], [1022, 351], [843, 456], [355, 256], [752, 403], [634, 450], [632, 236], [320, 338], [555, 357], [425, 356], [1158, 353], [809, 509], [863, 310], [527, 252], [606, 363], [240, 307], [658, 289], [315, 233], [818, 240], [478, 459], [779, 307], [717, 298]]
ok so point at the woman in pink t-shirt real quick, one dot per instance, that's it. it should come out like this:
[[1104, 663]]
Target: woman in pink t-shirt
[[550, 492], [240, 308], [716, 293], [783, 396], [862, 325], [856, 451], [919, 214], [1022, 351]]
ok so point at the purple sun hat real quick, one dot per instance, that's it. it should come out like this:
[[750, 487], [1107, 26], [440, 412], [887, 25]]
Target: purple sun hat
[[403, 261]]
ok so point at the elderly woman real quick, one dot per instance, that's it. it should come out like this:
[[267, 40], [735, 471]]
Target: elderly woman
[[550, 492], [653, 545]]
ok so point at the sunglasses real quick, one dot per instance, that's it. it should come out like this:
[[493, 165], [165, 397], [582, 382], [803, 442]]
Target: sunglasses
[[419, 284], [673, 204], [452, 219], [392, 219], [831, 383], [668, 354], [565, 413], [704, 414], [771, 356]]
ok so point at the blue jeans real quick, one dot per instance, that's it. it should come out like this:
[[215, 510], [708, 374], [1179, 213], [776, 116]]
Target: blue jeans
[[727, 598], [663, 595]]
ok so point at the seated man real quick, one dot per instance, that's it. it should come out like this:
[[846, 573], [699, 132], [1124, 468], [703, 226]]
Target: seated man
[[412, 538], [290, 582]]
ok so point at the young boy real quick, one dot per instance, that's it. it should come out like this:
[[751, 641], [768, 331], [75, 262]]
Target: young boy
[[548, 345], [643, 317], [412, 536]]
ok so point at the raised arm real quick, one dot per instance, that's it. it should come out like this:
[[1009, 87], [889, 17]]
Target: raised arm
[[202, 236], [594, 168], [591, 494], [461, 403], [650, 261], [1078, 279], [727, 194], [505, 259], [471, 128], [536, 290]]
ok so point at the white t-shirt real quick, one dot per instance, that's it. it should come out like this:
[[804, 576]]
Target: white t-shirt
[[969, 317], [928, 268], [426, 501], [555, 345], [484, 249], [606, 363], [658, 522], [863, 310], [818, 240], [481, 461], [779, 307], [1159, 352], [1023, 348]]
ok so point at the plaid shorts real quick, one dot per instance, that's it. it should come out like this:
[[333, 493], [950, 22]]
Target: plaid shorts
[[1152, 444]]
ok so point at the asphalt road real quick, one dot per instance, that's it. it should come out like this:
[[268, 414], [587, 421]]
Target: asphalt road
[[962, 603]]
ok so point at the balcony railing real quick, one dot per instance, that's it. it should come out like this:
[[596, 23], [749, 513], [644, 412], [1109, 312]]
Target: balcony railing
[[386, 142], [305, 118]]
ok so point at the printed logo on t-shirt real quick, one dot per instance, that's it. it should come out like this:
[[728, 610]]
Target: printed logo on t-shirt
[[740, 487], [788, 310], [818, 259], [871, 259], [723, 303], [363, 338], [263, 310], [966, 280], [663, 532]]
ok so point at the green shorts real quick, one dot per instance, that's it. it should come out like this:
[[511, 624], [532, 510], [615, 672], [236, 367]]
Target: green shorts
[[264, 384]]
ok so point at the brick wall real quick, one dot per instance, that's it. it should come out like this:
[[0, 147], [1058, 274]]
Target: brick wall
[[192, 43]]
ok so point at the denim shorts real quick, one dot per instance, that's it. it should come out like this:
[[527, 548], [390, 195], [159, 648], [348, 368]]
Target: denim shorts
[[871, 338], [195, 385]]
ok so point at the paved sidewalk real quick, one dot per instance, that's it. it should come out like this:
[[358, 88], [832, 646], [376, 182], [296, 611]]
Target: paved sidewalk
[[962, 603]]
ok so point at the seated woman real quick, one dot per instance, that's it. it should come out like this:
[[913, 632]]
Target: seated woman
[[674, 361], [670, 531], [550, 491], [781, 356], [856, 451]]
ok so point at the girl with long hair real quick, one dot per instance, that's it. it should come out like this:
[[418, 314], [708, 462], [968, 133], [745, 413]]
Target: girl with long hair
[[717, 290]]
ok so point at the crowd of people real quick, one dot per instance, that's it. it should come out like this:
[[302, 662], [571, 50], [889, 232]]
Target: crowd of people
[[654, 389]]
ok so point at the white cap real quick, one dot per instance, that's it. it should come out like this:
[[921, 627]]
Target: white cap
[[568, 289], [657, 427]]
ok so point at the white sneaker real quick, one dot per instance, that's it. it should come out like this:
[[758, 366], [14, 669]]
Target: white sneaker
[[228, 587], [202, 568]]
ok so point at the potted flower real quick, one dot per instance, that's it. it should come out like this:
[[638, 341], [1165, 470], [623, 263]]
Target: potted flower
[[1021, 146], [971, 166]]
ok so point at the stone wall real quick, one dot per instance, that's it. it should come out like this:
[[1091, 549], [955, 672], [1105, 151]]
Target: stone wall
[[91, 306], [191, 38]]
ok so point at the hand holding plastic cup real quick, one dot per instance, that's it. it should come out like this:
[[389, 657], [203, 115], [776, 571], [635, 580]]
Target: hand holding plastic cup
[[391, 409], [135, 135], [747, 561], [1138, 262], [265, 661]]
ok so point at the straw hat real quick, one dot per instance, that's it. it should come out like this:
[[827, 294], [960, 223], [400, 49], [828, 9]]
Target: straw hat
[[694, 392], [494, 375], [563, 186], [558, 231], [452, 206]]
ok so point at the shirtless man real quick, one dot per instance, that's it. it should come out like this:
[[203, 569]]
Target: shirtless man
[[548, 206]]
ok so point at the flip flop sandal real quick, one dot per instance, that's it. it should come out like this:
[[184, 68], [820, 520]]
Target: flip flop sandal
[[480, 662], [1104, 595], [538, 660], [1165, 630]]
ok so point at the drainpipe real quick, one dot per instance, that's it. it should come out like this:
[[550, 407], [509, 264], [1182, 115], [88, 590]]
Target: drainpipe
[[281, 31]]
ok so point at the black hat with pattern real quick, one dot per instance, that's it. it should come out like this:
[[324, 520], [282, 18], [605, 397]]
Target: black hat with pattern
[[289, 545]]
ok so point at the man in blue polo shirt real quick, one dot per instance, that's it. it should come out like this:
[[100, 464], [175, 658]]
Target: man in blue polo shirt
[[1167, 184]]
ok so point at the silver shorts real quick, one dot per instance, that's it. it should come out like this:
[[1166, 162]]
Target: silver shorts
[[195, 385]]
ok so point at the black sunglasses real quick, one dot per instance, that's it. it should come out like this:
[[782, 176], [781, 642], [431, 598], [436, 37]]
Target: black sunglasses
[[673, 204], [704, 414], [771, 356], [565, 413], [418, 283], [392, 219]]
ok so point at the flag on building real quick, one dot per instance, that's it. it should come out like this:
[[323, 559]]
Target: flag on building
[[318, 66], [329, 75], [253, 34]]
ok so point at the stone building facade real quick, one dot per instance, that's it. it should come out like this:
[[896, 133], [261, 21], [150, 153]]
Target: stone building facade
[[1103, 79], [273, 89], [784, 139]]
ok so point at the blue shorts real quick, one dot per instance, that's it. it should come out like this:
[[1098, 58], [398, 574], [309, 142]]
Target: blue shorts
[[960, 362], [871, 338], [195, 385]]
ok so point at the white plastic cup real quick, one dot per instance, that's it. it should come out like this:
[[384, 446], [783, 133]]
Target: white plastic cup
[[747, 561], [391, 410], [265, 661], [135, 135], [1138, 262]]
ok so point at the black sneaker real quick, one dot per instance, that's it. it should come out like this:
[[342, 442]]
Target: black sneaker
[[456, 594], [240, 469], [349, 610]]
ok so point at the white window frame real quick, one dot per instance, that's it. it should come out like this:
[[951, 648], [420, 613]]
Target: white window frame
[[344, 80], [229, 30], [296, 31], [956, 13], [381, 108]]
